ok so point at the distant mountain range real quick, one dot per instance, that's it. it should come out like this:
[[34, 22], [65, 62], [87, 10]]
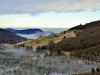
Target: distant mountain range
[[9, 37], [25, 31], [31, 33]]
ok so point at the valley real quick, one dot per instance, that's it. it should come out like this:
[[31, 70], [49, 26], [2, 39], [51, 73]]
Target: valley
[[22, 61], [72, 52]]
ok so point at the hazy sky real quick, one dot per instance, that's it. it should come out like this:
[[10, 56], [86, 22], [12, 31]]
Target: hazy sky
[[48, 13]]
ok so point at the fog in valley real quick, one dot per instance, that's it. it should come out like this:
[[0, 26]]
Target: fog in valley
[[18, 52], [23, 61]]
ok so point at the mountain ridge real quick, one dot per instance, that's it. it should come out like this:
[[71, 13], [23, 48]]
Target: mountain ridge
[[9, 37], [32, 33], [87, 25], [24, 31]]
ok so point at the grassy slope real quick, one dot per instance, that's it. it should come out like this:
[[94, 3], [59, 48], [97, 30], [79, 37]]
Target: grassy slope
[[45, 40]]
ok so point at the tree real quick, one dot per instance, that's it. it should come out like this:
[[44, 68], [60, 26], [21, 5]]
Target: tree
[[51, 45], [64, 32], [64, 37], [23, 45], [59, 51], [93, 70], [98, 70], [38, 48]]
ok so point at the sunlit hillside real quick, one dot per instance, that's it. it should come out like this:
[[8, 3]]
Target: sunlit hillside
[[45, 40]]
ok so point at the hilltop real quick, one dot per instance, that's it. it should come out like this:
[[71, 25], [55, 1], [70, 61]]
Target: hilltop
[[9, 37], [87, 25]]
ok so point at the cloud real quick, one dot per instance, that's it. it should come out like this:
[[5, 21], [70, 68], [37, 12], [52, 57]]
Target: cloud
[[32, 36], [16, 51], [35, 36], [35, 7], [55, 30], [47, 31]]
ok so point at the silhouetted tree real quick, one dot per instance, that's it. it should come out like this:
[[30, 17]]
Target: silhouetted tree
[[93, 70], [97, 69], [64, 37], [59, 51]]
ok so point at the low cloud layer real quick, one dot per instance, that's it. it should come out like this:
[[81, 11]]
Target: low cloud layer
[[34, 36], [47, 31], [17, 51], [35, 7]]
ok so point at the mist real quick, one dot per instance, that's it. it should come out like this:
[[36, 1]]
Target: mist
[[17, 52], [58, 65], [36, 35]]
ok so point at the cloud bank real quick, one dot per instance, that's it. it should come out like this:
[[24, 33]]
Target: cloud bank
[[35, 7], [35, 36], [32, 36], [47, 31]]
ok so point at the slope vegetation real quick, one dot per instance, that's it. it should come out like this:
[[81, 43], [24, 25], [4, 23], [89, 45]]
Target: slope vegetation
[[86, 44], [45, 40]]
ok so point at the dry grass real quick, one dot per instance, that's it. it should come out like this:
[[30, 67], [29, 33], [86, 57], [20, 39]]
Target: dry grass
[[45, 40]]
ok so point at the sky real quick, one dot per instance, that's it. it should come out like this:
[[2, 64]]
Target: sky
[[47, 13]]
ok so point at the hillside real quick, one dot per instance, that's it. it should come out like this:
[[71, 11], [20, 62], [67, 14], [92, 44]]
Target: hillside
[[89, 37], [86, 38], [86, 44], [45, 40], [82, 47], [9, 37]]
